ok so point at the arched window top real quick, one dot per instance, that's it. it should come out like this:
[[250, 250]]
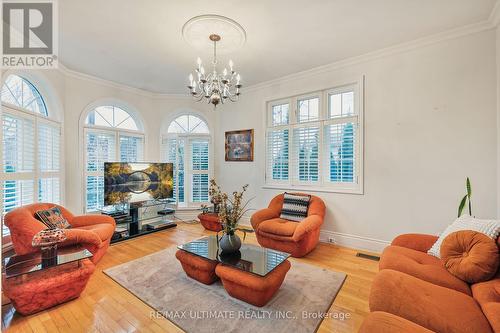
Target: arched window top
[[111, 116], [20, 92], [188, 124]]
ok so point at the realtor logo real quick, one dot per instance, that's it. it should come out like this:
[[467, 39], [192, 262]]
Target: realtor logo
[[29, 35]]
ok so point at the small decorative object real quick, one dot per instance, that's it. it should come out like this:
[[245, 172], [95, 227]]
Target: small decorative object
[[465, 199], [204, 209], [47, 240], [239, 146], [231, 210]]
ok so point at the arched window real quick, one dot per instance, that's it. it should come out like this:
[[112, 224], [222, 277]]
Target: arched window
[[187, 145], [111, 135], [31, 147]]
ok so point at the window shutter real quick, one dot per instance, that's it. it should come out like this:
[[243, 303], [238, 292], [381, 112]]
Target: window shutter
[[49, 137], [49, 190], [101, 147], [277, 155], [199, 166], [306, 154], [18, 144], [131, 148], [17, 193], [341, 142]]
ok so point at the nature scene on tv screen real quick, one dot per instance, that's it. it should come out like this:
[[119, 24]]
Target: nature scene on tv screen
[[137, 182]]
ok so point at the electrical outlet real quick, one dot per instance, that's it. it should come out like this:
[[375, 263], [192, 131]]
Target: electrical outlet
[[331, 240]]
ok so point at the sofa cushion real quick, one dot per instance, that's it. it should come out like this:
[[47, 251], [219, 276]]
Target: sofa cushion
[[490, 228], [278, 226], [434, 307], [469, 255], [487, 294], [295, 207], [103, 230], [383, 322], [421, 265], [52, 218]]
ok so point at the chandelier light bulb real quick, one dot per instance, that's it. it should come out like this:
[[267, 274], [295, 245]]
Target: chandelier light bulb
[[215, 87]]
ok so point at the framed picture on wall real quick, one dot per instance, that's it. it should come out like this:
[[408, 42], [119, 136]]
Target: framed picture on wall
[[239, 146]]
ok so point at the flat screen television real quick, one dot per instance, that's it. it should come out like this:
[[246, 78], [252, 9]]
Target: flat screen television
[[137, 182]]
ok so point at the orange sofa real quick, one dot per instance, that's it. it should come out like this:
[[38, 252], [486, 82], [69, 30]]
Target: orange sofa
[[296, 238], [414, 292], [91, 231]]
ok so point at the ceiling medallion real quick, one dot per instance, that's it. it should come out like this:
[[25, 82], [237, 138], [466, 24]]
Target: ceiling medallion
[[225, 35]]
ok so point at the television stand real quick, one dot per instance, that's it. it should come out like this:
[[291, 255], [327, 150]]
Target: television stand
[[137, 221]]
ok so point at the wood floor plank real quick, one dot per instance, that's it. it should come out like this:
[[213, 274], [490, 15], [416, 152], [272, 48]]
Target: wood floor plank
[[104, 306]]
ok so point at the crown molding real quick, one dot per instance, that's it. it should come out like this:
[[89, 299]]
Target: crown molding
[[382, 53], [115, 85]]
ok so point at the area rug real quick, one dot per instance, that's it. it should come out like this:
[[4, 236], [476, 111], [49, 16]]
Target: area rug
[[299, 306]]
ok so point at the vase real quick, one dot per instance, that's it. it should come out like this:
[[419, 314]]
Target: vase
[[230, 243]]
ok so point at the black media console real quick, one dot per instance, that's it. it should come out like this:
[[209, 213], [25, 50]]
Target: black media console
[[141, 219]]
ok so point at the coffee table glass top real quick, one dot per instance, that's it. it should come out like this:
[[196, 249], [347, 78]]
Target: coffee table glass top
[[250, 258], [34, 262]]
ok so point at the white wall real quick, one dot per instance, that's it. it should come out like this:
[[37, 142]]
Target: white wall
[[430, 121]]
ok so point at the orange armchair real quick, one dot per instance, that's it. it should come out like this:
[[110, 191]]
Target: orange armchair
[[91, 231], [296, 238]]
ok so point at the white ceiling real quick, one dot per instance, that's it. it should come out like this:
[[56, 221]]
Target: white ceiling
[[139, 43]]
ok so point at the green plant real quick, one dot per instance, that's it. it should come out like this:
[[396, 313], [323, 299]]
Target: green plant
[[466, 199]]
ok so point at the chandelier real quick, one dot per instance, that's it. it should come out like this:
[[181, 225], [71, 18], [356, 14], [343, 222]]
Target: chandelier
[[214, 87]]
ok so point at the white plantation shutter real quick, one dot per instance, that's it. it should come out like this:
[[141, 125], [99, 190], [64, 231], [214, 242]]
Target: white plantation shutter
[[340, 142], [100, 148], [318, 144], [48, 190], [31, 148], [18, 138], [277, 155], [18, 144], [131, 148], [17, 193], [199, 169], [172, 151], [306, 154]]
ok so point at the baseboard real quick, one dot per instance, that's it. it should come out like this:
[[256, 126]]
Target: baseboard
[[341, 239], [353, 241]]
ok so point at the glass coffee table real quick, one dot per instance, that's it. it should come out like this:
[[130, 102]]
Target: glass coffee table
[[253, 274]]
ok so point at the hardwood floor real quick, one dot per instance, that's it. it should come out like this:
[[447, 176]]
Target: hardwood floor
[[105, 306]]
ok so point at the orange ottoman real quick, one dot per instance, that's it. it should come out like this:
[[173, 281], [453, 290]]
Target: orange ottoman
[[44, 289], [200, 269], [249, 287], [210, 221]]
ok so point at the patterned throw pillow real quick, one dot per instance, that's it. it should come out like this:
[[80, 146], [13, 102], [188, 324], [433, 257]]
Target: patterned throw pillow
[[490, 228], [295, 207], [52, 218]]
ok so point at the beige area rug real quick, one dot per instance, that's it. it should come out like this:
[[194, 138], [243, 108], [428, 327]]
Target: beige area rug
[[299, 306]]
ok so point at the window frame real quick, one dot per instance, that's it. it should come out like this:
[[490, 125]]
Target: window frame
[[117, 132], [323, 184], [187, 138], [37, 174]]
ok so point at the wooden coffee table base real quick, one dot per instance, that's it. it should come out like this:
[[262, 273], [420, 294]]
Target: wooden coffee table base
[[200, 269], [249, 287]]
